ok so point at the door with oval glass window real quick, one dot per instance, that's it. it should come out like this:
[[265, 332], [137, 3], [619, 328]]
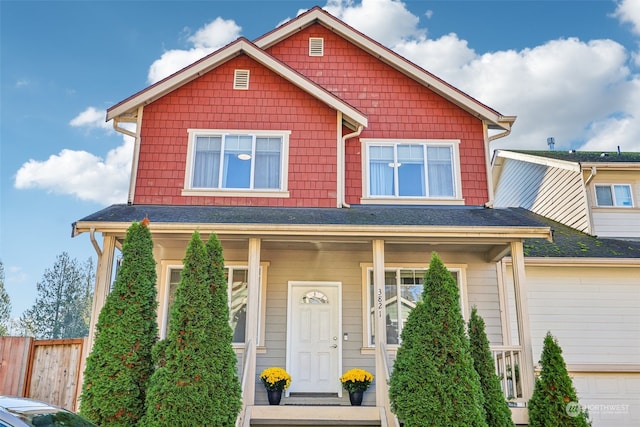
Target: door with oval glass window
[[314, 331]]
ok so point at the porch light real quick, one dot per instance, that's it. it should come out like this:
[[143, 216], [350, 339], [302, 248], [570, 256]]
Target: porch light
[[394, 164], [244, 156]]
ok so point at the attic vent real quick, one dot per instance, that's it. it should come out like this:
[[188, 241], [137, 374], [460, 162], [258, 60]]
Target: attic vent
[[241, 79], [316, 46]]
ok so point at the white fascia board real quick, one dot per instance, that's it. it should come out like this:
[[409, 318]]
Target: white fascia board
[[482, 235], [396, 61], [545, 161], [304, 84], [208, 63]]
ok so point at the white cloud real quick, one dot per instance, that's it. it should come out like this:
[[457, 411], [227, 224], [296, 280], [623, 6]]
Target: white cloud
[[580, 92], [212, 36], [81, 174], [628, 11], [91, 118], [386, 21]]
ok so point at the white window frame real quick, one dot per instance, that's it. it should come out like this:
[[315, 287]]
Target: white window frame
[[454, 144], [367, 268], [613, 195], [165, 287], [282, 191]]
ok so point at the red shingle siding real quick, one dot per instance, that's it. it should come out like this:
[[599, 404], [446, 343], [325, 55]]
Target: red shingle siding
[[209, 102], [396, 106]]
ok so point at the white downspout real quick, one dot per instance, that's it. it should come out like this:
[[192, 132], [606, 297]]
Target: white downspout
[[594, 172], [136, 150], [487, 162], [342, 142]]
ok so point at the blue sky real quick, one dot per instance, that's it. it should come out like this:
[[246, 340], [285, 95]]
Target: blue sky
[[567, 69]]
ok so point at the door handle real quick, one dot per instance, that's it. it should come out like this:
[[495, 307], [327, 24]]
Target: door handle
[[334, 346]]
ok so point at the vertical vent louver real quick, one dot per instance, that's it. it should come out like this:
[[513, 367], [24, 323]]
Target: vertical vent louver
[[241, 79], [316, 46]]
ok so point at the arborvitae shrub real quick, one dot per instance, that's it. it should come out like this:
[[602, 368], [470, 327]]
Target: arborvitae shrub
[[497, 411], [554, 402], [433, 382], [182, 391], [120, 363], [228, 394]]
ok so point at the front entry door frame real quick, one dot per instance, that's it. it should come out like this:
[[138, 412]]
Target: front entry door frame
[[327, 337]]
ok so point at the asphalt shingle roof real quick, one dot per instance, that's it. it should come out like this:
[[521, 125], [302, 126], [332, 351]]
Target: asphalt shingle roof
[[571, 243], [585, 156], [568, 242], [356, 215]]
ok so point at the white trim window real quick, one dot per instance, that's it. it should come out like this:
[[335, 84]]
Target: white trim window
[[236, 160], [614, 195], [403, 289], [237, 279], [411, 169]]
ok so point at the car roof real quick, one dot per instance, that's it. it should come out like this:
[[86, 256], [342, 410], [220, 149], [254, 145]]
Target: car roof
[[17, 403]]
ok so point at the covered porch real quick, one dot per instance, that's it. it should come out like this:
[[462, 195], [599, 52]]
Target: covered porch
[[364, 267]]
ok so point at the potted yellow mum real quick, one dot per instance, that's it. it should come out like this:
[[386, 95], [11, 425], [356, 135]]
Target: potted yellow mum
[[356, 381], [275, 381]]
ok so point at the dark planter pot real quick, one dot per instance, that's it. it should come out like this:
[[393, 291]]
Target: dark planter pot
[[274, 396], [355, 397]]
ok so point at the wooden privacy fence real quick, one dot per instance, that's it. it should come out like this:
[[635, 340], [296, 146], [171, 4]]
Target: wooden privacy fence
[[48, 370]]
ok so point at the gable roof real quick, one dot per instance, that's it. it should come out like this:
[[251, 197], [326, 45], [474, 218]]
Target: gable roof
[[127, 109], [494, 119]]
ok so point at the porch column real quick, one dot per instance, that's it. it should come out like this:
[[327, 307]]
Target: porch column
[[522, 314], [380, 326], [104, 272], [253, 315]]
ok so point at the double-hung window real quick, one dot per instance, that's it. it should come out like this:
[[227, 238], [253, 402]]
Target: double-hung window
[[618, 195], [403, 289], [237, 160], [411, 169], [237, 288]]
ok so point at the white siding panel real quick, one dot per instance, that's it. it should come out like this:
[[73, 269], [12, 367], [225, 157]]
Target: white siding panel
[[552, 192], [617, 222]]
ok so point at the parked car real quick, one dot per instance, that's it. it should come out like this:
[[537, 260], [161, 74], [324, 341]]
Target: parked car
[[25, 412]]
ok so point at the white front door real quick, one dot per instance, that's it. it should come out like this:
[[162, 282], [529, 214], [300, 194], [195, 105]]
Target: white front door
[[314, 344]]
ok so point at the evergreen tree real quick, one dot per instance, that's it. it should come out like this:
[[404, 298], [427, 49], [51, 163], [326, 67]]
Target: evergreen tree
[[119, 366], [5, 305], [228, 395], [554, 402], [497, 411], [182, 392], [61, 304], [433, 382]]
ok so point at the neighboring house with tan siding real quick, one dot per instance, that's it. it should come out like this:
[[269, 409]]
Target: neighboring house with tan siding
[[584, 289], [330, 169], [594, 192]]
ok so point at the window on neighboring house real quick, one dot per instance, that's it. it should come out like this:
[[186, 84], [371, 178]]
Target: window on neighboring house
[[614, 195], [230, 160], [412, 169], [403, 289], [237, 279]]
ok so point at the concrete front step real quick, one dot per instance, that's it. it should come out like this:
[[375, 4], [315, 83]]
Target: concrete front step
[[326, 416]]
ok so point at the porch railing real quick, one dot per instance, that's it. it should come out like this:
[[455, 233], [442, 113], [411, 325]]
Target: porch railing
[[508, 363], [247, 356], [391, 418]]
